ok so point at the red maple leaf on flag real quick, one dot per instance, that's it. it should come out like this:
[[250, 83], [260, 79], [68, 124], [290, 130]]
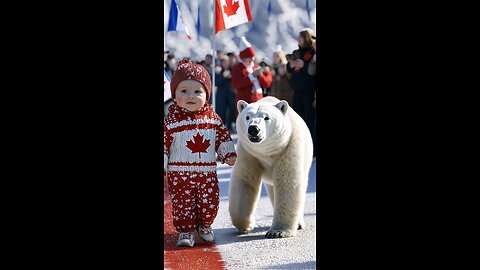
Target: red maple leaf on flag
[[231, 9], [198, 145]]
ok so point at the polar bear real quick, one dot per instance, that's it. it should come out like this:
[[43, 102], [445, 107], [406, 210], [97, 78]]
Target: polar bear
[[274, 143]]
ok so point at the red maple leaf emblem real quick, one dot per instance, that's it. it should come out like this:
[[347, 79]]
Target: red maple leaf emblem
[[230, 8], [198, 145]]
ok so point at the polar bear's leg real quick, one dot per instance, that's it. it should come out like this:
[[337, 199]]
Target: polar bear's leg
[[290, 189], [242, 204], [244, 191]]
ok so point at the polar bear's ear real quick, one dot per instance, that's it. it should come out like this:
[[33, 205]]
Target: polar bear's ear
[[241, 104], [282, 106]]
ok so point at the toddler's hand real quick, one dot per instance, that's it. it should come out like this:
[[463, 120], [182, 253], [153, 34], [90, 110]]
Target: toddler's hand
[[231, 161]]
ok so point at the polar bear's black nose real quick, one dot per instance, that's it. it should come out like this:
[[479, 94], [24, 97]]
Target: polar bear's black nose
[[253, 130]]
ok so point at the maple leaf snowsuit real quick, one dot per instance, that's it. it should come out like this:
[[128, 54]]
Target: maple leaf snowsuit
[[190, 142]]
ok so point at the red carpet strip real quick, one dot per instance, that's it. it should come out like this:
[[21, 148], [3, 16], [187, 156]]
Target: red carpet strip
[[203, 255]]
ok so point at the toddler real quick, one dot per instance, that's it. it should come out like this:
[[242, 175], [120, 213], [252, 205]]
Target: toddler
[[193, 133]]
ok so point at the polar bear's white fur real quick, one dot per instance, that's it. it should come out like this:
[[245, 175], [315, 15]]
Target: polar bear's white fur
[[275, 144]]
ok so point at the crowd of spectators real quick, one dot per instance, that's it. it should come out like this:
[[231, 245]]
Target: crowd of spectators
[[288, 76]]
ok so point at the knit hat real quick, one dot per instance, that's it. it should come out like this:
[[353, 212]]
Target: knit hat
[[246, 49], [186, 70]]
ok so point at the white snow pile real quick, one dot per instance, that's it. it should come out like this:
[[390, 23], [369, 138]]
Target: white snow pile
[[264, 32]]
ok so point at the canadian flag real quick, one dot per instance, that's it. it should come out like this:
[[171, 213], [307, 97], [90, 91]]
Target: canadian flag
[[230, 13]]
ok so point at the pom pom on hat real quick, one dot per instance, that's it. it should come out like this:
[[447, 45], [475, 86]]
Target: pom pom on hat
[[279, 48], [186, 70], [246, 49]]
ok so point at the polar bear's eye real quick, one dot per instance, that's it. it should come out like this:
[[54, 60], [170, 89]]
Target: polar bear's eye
[[248, 117], [266, 118]]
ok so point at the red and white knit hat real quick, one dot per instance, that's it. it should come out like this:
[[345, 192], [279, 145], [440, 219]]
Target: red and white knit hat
[[246, 49], [186, 70]]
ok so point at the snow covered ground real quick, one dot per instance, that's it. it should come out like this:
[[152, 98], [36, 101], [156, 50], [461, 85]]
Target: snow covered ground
[[265, 32]]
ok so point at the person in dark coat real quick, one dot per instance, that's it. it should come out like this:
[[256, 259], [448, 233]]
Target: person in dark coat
[[312, 70], [303, 83], [225, 97]]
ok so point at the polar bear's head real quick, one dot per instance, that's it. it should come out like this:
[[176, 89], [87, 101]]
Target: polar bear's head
[[263, 121]]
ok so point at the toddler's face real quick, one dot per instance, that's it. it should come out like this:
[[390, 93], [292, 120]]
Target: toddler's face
[[190, 95]]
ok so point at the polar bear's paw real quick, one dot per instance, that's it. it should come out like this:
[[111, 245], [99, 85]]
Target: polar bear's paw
[[272, 233], [245, 227], [245, 230]]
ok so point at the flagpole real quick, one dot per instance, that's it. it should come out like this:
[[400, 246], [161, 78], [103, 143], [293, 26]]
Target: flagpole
[[213, 55], [166, 32]]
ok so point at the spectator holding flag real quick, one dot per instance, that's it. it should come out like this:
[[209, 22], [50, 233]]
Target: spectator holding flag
[[248, 79]]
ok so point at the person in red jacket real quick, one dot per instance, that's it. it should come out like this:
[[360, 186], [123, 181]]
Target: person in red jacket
[[193, 133], [248, 79], [267, 72]]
